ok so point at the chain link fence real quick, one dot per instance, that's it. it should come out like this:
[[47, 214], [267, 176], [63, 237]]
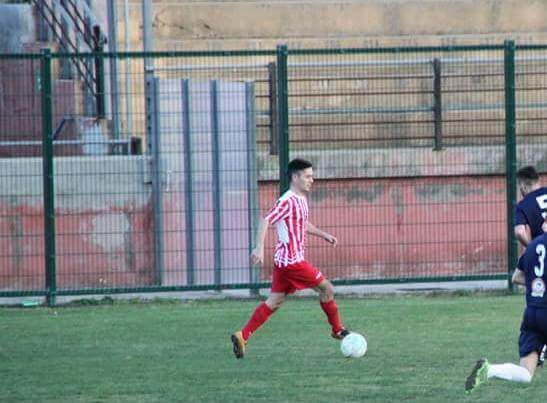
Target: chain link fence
[[154, 180]]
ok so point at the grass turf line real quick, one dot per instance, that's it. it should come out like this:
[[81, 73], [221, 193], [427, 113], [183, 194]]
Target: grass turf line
[[420, 349]]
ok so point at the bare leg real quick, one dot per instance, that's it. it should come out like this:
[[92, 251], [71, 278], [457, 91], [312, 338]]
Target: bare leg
[[275, 300], [530, 362], [325, 290]]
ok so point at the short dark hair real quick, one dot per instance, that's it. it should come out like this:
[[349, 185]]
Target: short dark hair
[[297, 165], [527, 175]]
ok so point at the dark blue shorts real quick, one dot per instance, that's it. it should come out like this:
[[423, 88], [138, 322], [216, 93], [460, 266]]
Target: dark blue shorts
[[533, 331]]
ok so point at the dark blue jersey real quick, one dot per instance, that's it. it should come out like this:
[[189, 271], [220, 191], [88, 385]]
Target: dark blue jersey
[[532, 263], [532, 211]]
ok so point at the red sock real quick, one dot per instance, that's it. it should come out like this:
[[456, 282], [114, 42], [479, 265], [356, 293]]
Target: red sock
[[260, 315], [331, 310]]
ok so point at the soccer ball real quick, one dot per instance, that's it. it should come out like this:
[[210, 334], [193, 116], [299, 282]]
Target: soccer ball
[[353, 345]]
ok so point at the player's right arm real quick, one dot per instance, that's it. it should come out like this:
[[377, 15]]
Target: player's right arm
[[257, 255], [278, 212], [522, 230], [518, 277], [523, 234]]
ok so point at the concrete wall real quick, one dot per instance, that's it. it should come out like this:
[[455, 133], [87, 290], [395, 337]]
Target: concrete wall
[[410, 162], [402, 228], [302, 23], [16, 27], [391, 225], [103, 220]]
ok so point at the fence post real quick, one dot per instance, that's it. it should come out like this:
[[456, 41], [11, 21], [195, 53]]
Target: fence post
[[188, 182], [510, 155], [437, 106], [217, 182], [48, 176], [252, 181], [274, 118], [113, 47], [283, 115], [154, 131]]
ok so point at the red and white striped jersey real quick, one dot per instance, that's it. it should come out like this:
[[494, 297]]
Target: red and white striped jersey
[[290, 216]]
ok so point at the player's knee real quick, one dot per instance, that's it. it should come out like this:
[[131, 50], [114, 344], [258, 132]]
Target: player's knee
[[526, 376], [327, 290], [275, 302]]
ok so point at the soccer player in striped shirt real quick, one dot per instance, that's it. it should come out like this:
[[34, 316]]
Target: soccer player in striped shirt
[[291, 271]]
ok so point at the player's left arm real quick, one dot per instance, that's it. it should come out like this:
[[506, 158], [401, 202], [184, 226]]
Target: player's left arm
[[313, 230], [518, 277]]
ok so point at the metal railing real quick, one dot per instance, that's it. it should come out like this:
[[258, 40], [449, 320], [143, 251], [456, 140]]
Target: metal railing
[[70, 22], [414, 152]]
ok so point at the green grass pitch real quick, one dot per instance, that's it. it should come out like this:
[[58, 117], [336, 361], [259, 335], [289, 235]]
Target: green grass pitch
[[421, 348]]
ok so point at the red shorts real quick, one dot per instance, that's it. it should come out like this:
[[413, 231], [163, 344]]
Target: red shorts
[[295, 277]]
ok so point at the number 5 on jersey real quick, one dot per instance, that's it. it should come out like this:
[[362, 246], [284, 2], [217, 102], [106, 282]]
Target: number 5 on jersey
[[542, 201]]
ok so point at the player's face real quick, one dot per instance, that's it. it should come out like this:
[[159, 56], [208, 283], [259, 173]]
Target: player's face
[[304, 179], [523, 189]]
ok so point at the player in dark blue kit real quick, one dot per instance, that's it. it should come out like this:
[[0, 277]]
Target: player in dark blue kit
[[533, 330], [531, 211]]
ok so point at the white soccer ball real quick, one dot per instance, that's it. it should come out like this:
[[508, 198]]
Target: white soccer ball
[[353, 345]]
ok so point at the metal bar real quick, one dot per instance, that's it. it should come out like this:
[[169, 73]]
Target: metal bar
[[63, 9], [113, 47], [147, 31], [100, 95], [148, 60], [66, 66], [437, 105], [531, 47], [123, 290], [63, 142], [75, 25], [407, 49], [44, 33], [283, 116], [48, 176], [22, 56], [379, 93], [177, 54], [365, 63], [188, 184], [55, 22], [88, 12], [247, 66], [350, 111], [60, 127], [274, 123], [252, 181], [510, 156], [215, 68], [85, 31], [241, 53], [157, 188], [217, 181], [128, 90]]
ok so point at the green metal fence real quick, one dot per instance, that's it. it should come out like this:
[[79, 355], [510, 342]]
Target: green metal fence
[[414, 152]]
